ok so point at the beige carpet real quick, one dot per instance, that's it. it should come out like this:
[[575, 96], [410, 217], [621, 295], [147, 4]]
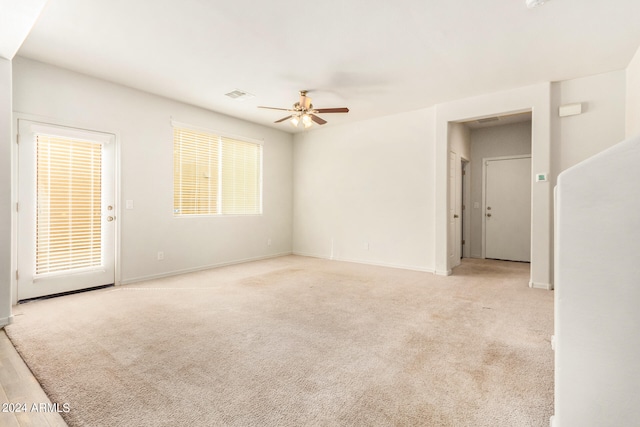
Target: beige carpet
[[297, 341]]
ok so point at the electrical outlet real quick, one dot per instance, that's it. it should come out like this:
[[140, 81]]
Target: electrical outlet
[[160, 256]]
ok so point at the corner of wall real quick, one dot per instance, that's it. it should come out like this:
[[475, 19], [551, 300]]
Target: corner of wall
[[5, 189], [6, 321], [632, 121], [555, 134]]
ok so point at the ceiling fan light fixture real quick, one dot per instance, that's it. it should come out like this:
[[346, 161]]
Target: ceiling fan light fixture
[[303, 111], [306, 120]]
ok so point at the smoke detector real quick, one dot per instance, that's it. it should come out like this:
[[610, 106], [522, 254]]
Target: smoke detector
[[534, 3]]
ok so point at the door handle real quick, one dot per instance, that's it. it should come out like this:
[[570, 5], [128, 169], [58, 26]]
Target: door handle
[[456, 216], [488, 214]]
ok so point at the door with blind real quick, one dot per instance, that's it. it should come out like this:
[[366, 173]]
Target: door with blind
[[66, 210]]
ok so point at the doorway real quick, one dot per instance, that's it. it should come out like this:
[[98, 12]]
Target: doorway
[[497, 138], [481, 109], [66, 211]]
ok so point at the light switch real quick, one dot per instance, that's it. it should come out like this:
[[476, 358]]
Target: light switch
[[129, 204]]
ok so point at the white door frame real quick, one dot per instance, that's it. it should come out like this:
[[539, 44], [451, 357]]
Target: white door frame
[[456, 213], [453, 221], [466, 202], [17, 117], [484, 190]]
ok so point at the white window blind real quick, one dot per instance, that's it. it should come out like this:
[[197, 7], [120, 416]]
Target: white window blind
[[68, 220], [215, 175]]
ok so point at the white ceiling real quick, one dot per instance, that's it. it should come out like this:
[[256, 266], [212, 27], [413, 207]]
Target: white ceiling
[[16, 19], [377, 57]]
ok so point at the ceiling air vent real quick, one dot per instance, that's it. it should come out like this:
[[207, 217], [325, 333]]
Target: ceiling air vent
[[239, 95], [488, 120]]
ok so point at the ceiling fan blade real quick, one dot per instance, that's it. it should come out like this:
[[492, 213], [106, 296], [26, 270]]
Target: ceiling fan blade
[[274, 108], [317, 119], [331, 110], [283, 119]]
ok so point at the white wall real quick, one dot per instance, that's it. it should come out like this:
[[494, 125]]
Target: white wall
[[364, 191], [495, 141], [597, 369], [5, 191], [142, 122], [333, 186], [373, 191], [601, 124], [460, 140], [633, 96]]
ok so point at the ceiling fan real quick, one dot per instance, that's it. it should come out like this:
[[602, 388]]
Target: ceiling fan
[[304, 112]]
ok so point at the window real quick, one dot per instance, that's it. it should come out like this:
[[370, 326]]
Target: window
[[215, 175], [68, 220]]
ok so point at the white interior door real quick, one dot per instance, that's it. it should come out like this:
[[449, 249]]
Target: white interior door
[[66, 211], [507, 211]]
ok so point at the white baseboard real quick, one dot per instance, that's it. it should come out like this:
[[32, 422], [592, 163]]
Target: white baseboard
[[204, 267], [365, 262], [545, 286], [444, 272], [6, 321]]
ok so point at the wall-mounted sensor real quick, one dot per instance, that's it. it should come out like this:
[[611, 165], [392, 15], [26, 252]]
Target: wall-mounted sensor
[[541, 177], [570, 109]]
